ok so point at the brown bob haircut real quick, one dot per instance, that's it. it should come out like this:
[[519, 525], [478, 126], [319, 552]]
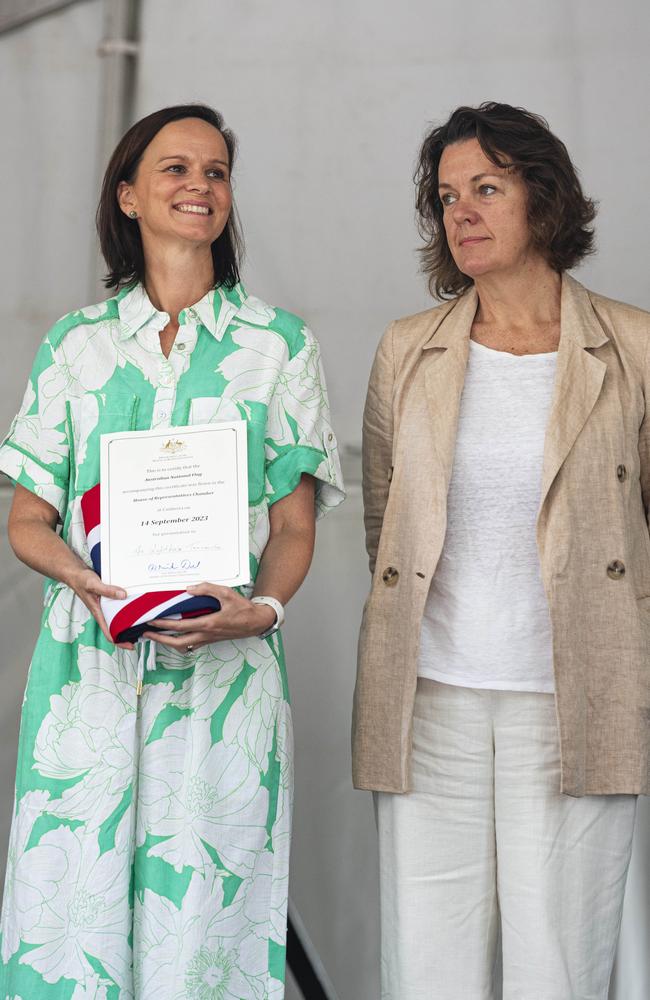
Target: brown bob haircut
[[119, 236], [559, 214]]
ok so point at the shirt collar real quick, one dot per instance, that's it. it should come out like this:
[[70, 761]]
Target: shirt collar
[[214, 311]]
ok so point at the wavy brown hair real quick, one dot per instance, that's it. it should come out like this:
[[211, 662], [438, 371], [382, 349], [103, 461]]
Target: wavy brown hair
[[119, 236], [559, 213]]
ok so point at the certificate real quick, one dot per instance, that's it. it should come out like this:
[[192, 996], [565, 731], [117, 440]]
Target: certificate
[[174, 507]]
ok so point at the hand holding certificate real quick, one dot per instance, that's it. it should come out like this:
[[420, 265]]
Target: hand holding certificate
[[174, 505]]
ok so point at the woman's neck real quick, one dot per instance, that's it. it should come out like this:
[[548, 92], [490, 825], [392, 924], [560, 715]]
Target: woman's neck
[[176, 280], [530, 297]]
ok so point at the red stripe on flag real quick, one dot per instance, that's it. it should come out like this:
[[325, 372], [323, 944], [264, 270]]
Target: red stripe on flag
[[90, 508], [138, 607]]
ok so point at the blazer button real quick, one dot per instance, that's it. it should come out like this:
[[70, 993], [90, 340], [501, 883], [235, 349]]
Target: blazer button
[[616, 570], [621, 473], [390, 576]]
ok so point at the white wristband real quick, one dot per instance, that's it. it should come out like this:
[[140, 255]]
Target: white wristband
[[279, 614]]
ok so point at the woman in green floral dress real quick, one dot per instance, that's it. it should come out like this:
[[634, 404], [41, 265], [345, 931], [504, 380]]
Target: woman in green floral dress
[[150, 842]]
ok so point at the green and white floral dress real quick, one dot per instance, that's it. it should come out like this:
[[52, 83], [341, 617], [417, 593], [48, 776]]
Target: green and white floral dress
[[149, 851]]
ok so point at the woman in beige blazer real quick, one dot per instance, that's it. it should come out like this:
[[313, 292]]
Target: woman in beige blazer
[[502, 708]]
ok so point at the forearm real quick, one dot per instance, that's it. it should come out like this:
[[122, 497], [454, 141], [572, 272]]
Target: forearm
[[37, 544], [33, 537], [285, 563]]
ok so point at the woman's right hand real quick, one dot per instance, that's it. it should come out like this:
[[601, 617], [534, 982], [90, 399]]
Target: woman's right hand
[[90, 588], [34, 539]]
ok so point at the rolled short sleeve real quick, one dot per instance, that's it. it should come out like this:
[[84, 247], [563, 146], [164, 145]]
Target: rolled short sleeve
[[36, 451], [299, 435]]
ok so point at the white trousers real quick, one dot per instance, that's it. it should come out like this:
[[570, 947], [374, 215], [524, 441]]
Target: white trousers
[[485, 842]]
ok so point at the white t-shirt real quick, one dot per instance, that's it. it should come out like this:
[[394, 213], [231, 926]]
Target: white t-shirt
[[486, 622]]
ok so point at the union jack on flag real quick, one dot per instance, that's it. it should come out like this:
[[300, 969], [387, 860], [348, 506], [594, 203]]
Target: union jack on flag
[[127, 619]]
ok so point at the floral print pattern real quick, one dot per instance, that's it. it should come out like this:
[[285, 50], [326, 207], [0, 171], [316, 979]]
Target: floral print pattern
[[149, 851]]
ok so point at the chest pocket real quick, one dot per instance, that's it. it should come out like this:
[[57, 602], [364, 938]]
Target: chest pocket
[[89, 417], [210, 410]]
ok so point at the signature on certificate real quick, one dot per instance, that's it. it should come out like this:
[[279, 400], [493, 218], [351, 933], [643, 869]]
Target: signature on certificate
[[172, 566]]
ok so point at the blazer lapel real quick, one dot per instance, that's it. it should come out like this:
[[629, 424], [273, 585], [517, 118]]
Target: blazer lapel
[[448, 350], [578, 381]]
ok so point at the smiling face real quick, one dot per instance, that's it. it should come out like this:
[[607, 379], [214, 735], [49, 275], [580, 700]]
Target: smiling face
[[181, 190], [484, 212]]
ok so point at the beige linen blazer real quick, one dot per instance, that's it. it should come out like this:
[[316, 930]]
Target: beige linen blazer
[[592, 534]]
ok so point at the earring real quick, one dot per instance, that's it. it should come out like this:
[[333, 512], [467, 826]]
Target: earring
[[133, 214]]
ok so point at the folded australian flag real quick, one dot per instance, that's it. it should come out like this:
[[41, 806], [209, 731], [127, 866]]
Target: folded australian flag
[[127, 619]]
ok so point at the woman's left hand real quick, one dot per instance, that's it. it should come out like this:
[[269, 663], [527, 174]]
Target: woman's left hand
[[237, 619], [282, 569]]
